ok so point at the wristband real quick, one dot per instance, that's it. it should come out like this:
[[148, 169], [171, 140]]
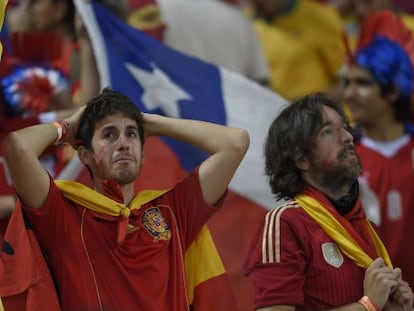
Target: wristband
[[62, 129], [368, 303]]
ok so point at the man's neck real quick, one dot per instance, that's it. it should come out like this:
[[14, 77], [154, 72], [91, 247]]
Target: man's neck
[[128, 191], [347, 202], [332, 194]]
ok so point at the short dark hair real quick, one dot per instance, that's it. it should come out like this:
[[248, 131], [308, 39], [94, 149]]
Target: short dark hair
[[290, 138], [109, 102]]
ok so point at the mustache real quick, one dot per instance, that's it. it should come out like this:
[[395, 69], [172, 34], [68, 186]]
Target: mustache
[[124, 156], [346, 150]]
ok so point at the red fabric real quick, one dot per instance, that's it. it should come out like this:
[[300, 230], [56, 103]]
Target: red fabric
[[25, 280], [232, 227], [113, 190], [389, 25], [36, 47], [15, 303], [405, 5], [47, 49], [143, 255], [215, 294], [308, 274], [390, 178], [353, 222]]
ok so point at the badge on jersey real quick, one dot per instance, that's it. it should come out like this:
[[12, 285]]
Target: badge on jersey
[[332, 254], [153, 221]]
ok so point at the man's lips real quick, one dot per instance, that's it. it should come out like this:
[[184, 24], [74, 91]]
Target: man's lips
[[124, 159]]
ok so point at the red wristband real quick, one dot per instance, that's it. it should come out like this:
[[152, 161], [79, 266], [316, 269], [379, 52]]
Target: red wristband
[[368, 303], [62, 129]]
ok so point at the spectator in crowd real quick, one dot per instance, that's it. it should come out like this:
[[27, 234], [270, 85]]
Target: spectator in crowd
[[318, 251], [354, 12], [302, 43], [378, 89], [134, 248], [35, 76]]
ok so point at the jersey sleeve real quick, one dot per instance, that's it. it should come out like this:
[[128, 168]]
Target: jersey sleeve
[[49, 221], [189, 207], [275, 263]]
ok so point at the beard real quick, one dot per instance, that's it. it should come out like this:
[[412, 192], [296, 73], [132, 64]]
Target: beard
[[125, 177], [338, 175]]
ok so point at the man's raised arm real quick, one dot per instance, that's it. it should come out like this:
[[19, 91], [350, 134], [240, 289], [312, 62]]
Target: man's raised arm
[[226, 146], [21, 151]]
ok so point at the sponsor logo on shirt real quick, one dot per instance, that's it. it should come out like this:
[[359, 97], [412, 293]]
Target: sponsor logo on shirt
[[332, 254], [153, 221]]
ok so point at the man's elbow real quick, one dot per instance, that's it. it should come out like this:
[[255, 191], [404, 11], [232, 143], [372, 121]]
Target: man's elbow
[[241, 141], [12, 146]]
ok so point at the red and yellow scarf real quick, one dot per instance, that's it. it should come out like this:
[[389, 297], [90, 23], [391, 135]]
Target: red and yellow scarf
[[340, 229], [199, 268]]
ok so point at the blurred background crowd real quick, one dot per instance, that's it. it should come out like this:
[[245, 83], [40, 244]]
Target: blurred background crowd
[[292, 47]]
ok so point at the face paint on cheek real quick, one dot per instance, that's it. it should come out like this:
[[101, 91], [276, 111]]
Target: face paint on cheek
[[328, 160], [102, 155], [324, 164]]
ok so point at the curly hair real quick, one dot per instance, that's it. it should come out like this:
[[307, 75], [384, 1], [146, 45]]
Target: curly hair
[[291, 137]]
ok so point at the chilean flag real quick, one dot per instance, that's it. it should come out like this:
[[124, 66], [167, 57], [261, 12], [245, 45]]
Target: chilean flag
[[163, 81]]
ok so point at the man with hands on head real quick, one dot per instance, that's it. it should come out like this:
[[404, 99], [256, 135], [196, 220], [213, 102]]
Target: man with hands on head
[[318, 251], [109, 248]]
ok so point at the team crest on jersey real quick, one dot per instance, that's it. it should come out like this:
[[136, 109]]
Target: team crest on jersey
[[156, 225], [332, 254]]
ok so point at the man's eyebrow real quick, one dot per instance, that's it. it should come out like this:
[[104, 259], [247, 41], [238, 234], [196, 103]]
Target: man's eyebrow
[[326, 123], [108, 127]]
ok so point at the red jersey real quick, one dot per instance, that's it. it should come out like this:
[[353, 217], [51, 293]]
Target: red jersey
[[387, 171], [292, 261], [144, 272]]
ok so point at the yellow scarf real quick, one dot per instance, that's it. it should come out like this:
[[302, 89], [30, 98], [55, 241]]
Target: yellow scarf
[[89, 198], [202, 260], [340, 235]]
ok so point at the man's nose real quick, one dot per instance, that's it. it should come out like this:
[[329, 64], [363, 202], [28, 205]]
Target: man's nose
[[123, 142], [347, 136]]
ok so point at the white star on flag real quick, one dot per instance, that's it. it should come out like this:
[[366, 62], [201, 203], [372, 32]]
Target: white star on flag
[[159, 90]]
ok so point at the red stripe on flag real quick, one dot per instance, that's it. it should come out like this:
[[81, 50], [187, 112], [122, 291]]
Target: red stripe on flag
[[233, 228]]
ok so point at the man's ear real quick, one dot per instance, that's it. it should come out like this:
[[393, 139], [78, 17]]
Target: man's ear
[[85, 155], [303, 164]]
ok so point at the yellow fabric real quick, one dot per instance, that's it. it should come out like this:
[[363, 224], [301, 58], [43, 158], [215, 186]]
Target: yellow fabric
[[304, 49], [202, 260], [97, 202], [3, 4], [340, 235], [1, 305], [147, 17], [408, 20]]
